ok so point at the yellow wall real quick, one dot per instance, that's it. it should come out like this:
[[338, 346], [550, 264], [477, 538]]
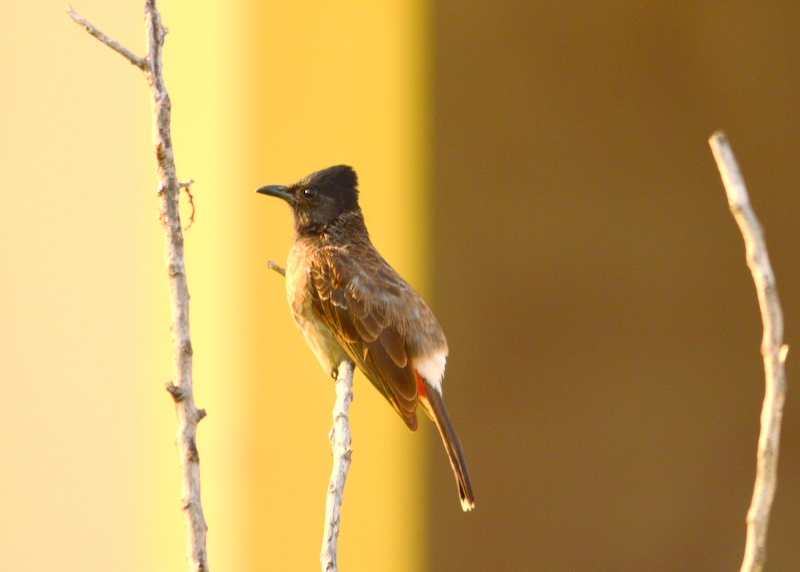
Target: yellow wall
[[262, 93]]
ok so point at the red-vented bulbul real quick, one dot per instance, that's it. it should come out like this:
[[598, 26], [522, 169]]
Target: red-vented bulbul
[[350, 304]]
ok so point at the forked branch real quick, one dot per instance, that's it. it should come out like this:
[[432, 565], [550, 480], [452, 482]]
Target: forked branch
[[180, 387]]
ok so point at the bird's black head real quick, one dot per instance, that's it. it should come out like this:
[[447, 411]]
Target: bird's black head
[[320, 198]]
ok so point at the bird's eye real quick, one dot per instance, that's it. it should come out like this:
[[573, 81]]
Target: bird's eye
[[309, 193]]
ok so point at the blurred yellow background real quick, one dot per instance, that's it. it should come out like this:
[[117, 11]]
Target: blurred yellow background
[[262, 93]]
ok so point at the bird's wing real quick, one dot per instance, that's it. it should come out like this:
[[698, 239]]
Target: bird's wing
[[359, 299]]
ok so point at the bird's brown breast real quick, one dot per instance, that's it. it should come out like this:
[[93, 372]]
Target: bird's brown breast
[[348, 301], [301, 295]]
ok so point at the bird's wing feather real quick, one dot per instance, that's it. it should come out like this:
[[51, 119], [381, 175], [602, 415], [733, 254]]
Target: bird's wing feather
[[361, 310]]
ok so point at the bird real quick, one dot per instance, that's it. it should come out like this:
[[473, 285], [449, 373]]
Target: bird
[[350, 304]]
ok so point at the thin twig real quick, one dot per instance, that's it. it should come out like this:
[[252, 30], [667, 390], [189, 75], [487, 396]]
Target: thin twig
[[180, 387], [276, 267], [187, 186], [340, 446], [140, 63], [772, 350]]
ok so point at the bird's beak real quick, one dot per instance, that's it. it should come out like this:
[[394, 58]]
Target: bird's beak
[[277, 191]]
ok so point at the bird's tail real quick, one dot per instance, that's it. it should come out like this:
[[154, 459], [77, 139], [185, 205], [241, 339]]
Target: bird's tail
[[431, 399]]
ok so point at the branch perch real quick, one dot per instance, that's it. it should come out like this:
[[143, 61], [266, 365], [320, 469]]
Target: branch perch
[[340, 449], [180, 387], [340, 446], [772, 350]]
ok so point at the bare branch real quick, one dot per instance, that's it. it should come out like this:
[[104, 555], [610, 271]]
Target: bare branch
[[180, 387], [772, 350], [169, 215], [140, 63], [340, 445], [276, 267]]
